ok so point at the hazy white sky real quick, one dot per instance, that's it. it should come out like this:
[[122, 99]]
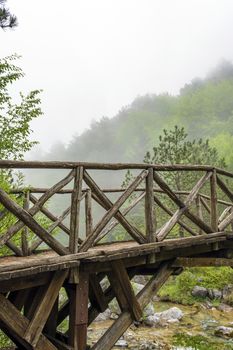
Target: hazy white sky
[[92, 57]]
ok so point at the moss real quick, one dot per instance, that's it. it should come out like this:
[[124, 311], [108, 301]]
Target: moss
[[199, 342], [178, 289]]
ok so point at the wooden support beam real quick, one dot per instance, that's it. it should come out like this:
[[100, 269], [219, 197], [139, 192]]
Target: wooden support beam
[[96, 294], [105, 202], [75, 209], [112, 211], [16, 324], [122, 277], [78, 319], [149, 208], [51, 323], [42, 312], [123, 322]]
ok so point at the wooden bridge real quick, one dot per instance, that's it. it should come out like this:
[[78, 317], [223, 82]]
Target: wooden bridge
[[163, 231]]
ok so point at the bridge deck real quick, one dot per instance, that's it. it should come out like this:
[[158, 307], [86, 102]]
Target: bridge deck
[[13, 267]]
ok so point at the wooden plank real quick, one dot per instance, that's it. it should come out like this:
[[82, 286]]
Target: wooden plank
[[112, 211], [149, 208], [123, 322], [34, 329], [127, 289], [105, 202], [202, 262], [75, 210], [17, 324], [23, 283], [29, 221], [88, 213], [213, 202]]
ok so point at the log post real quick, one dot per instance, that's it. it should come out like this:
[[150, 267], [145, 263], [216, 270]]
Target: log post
[[149, 208], [24, 233], [88, 212], [78, 318], [199, 211], [75, 209], [213, 202]]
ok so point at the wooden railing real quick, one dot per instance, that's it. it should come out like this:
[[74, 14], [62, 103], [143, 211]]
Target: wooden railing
[[205, 208]]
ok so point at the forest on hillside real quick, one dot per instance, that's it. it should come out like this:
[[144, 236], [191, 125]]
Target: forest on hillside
[[204, 107]]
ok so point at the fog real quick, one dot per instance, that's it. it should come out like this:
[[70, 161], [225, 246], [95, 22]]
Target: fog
[[93, 57]]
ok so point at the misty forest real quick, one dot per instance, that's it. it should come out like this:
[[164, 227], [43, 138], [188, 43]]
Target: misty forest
[[193, 308]]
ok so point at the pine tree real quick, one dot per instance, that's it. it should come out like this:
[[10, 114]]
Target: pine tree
[[7, 20]]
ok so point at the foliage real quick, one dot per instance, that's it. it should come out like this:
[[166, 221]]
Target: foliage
[[7, 20], [15, 118], [175, 148]]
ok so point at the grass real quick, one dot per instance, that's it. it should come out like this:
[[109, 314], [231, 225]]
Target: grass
[[178, 289]]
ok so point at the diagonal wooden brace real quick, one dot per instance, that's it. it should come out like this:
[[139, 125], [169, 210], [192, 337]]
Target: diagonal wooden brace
[[42, 312]]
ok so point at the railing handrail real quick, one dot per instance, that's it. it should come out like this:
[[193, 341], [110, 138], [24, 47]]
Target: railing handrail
[[24, 164]]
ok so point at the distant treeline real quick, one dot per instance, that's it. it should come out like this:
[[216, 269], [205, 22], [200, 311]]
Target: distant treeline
[[204, 107]]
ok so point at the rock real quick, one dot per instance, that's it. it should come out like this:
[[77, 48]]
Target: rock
[[114, 307], [122, 343], [224, 332], [199, 292], [137, 287], [227, 290], [104, 316], [214, 294], [225, 308], [140, 279], [171, 315], [149, 310]]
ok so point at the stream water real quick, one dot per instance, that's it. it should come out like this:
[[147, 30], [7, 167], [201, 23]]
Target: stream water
[[194, 332]]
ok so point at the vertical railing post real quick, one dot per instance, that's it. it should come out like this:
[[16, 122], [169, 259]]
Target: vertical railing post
[[199, 210], [75, 210], [88, 212], [149, 208], [213, 202], [25, 230]]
